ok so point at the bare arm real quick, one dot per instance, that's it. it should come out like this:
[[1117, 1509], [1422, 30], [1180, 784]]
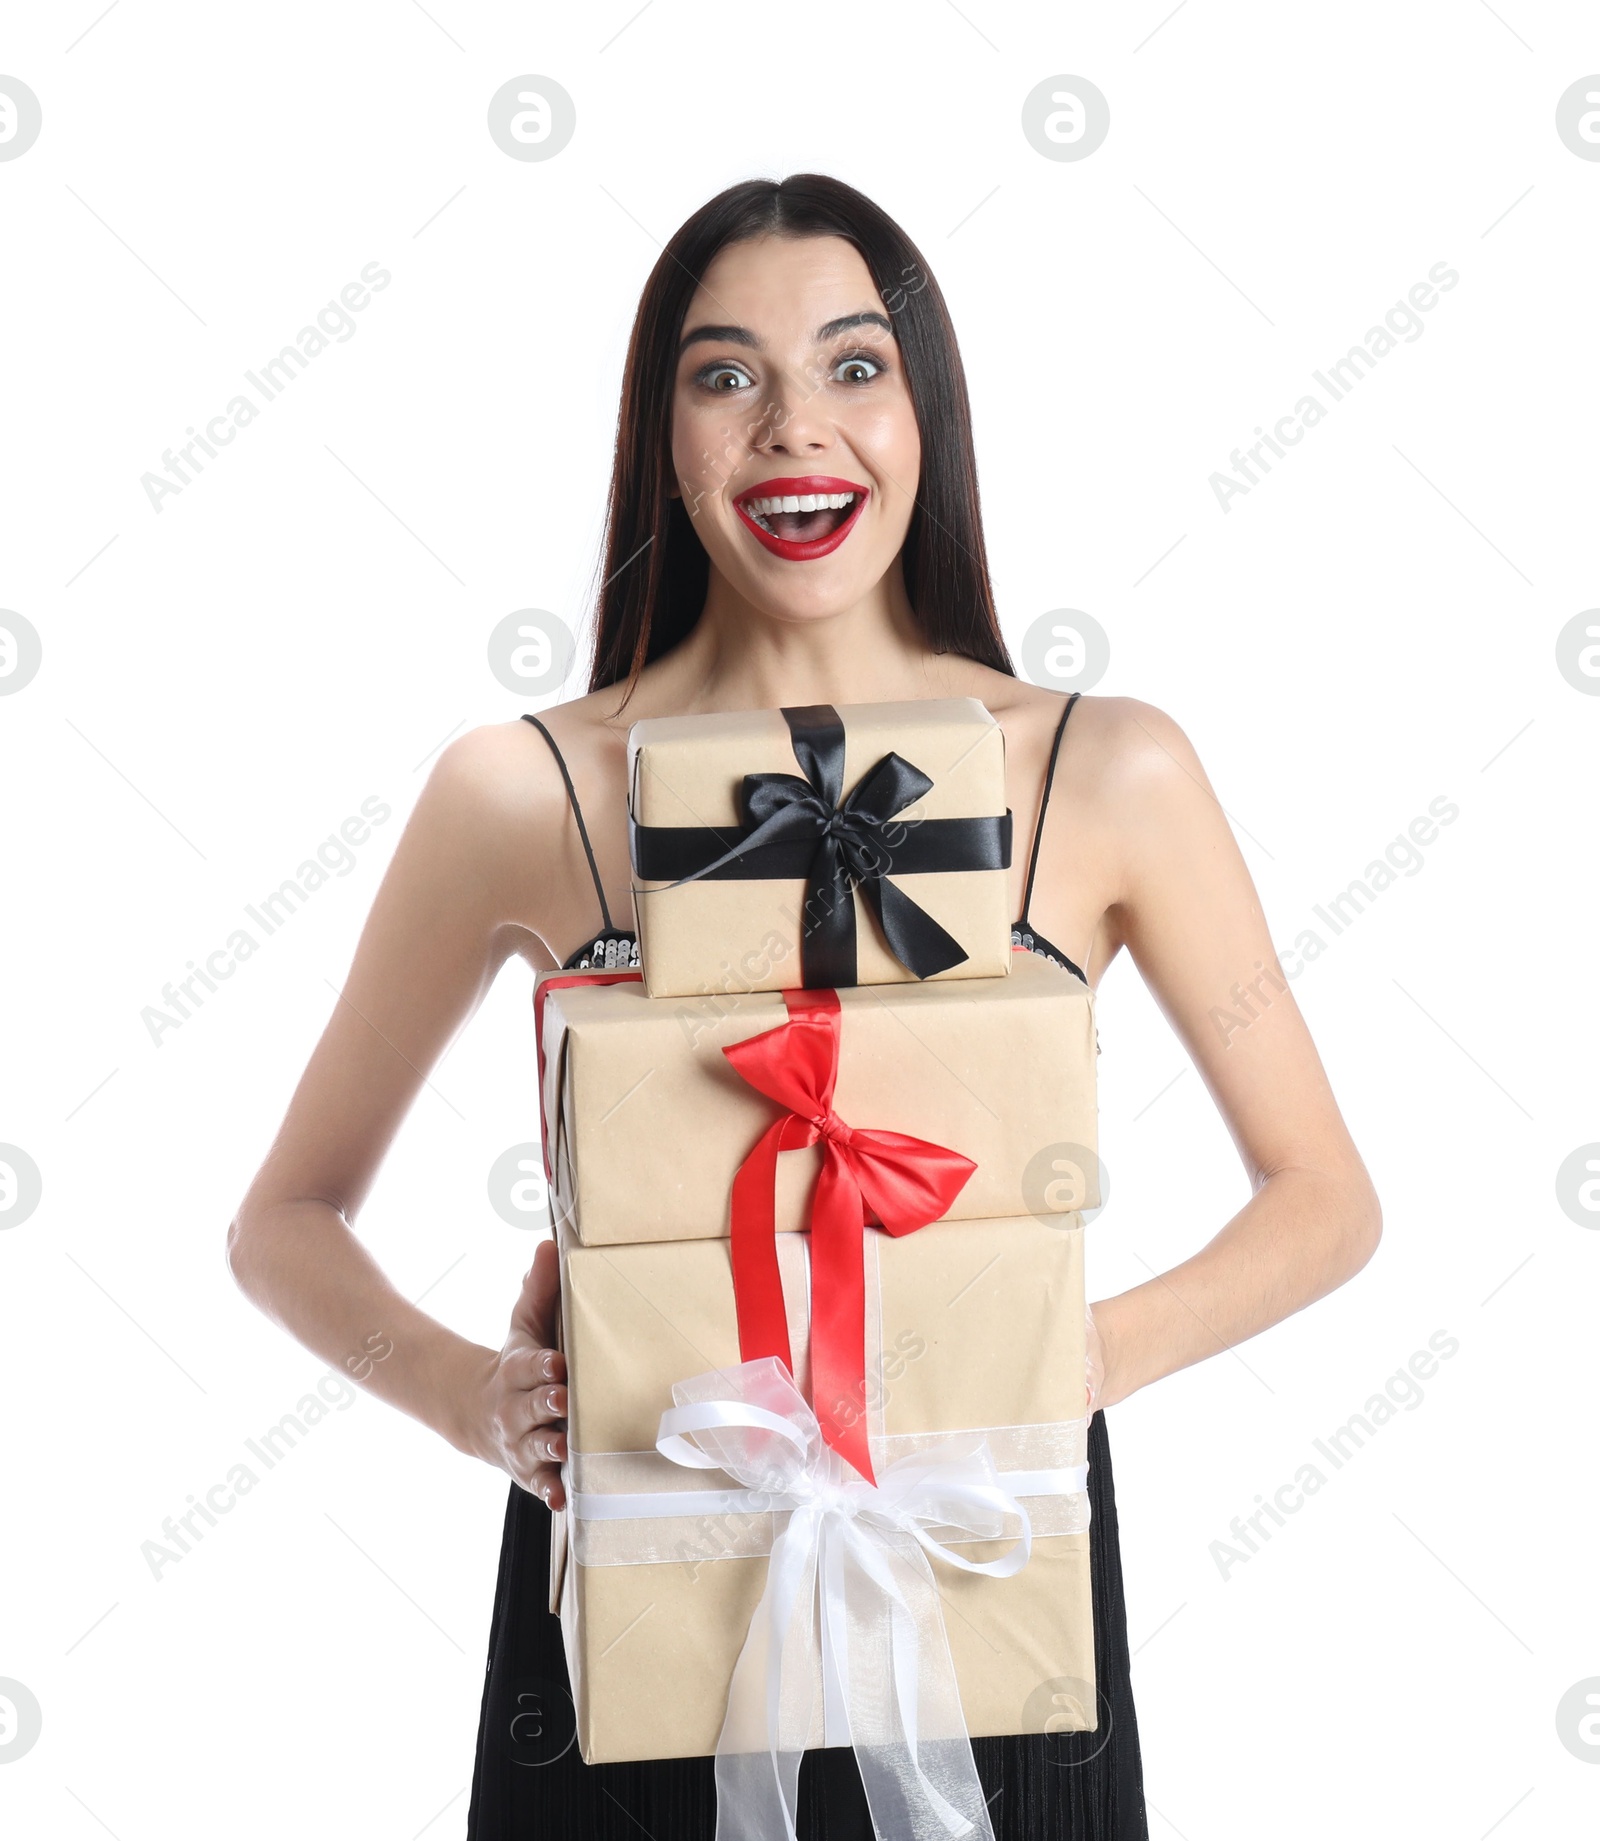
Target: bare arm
[[440, 929], [1188, 912]]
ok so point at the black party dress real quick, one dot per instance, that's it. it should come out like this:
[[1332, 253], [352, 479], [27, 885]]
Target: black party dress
[[530, 1782]]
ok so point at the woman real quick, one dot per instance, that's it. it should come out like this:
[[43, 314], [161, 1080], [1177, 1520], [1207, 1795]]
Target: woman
[[793, 520]]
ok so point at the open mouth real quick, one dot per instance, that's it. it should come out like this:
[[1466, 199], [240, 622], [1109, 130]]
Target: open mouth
[[801, 519]]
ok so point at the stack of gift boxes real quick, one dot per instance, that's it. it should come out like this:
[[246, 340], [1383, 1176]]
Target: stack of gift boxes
[[826, 1154]]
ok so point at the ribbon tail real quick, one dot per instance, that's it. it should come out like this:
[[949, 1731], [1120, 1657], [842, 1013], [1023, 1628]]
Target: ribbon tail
[[757, 1284], [768, 1719], [912, 1747], [914, 937], [839, 1313], [834, 1625]]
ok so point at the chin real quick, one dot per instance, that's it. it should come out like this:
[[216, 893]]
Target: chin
[[807, 603]]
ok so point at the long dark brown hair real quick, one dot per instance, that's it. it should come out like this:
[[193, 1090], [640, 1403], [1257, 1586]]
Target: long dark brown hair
[[654, 570]]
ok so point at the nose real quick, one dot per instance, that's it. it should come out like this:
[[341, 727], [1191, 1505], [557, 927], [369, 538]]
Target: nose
[[794, 420]]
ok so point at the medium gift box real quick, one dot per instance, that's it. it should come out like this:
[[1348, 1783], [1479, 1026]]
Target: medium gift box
[[649, 1116], [819, 846], [723, 1589]]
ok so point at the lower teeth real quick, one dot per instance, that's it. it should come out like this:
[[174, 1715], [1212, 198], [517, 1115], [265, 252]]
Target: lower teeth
[[757, 518]]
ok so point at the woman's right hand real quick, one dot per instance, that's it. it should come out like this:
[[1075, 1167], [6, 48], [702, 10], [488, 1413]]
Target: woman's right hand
[[522, 1412]]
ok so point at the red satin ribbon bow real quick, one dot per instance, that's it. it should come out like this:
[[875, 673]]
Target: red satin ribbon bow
[[899, 1182]]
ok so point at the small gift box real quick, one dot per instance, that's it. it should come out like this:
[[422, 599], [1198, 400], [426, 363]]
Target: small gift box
[[818, 846], [728, 1585], [650, 1113]]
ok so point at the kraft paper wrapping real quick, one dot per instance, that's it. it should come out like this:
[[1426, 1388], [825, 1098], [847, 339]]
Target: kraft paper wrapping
[[971, 1324], [647, 1121], [715, 936]]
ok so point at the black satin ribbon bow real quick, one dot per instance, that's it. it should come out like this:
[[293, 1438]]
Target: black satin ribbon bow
[[801, 827]]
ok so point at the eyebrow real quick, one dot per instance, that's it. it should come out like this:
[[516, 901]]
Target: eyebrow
[[742, 335]]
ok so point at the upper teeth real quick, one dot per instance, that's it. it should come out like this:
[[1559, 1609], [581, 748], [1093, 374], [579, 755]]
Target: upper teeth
[[806, 501]]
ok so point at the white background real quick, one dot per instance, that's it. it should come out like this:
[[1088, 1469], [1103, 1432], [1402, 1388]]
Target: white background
[[1372, 627]]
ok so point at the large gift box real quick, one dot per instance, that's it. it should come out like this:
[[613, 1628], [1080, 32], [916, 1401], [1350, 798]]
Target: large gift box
[[666, 1575], [648, 1120], [820, 846]]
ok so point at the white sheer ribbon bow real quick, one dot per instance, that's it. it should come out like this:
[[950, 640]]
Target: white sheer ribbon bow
[[850, 1570]]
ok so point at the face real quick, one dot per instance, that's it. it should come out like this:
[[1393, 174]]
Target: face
[[794, 442]]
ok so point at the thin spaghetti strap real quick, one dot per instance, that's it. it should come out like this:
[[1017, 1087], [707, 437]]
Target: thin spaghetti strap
[[1044, 800], [577, 813]]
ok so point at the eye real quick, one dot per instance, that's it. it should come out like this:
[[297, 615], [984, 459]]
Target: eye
[[722, 377], [858, 368]]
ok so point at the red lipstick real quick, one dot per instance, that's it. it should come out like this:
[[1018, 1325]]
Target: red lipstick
[[807, 485]]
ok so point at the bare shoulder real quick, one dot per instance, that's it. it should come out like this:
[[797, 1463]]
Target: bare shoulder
[[510, 765], [495, 807], [1135, 755], [1122, 757], [494, 782], [1140, 788], [1129, 802]]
